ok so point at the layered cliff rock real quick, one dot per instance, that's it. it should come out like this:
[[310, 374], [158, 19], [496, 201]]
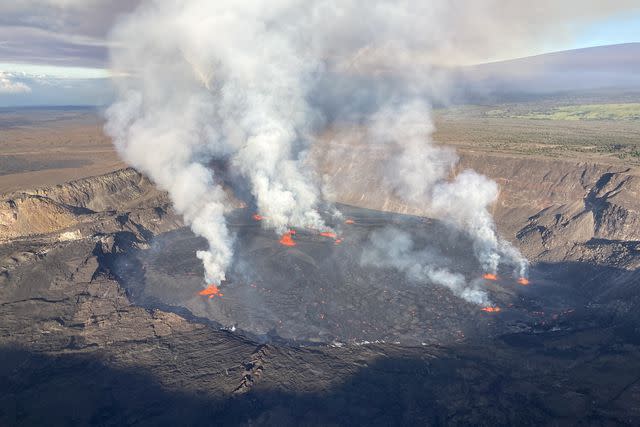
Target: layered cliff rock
[[546, 206]]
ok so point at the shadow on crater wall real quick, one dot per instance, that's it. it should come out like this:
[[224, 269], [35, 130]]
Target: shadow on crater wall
[[501, 385]]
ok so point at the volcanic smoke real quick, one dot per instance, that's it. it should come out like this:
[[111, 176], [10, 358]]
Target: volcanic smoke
[[251, 83]]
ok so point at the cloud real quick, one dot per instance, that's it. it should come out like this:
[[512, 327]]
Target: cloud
[[19, 89], [85, 18], [59, 32], [9, 86], [75, 32]]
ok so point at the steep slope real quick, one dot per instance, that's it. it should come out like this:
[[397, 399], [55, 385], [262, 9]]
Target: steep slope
[[545, 205], [77, 351]]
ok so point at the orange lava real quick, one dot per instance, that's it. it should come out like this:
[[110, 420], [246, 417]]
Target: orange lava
[[490, 276], [349, 221], [211, 291], [523, 281], [286, 239], [491, 309], [328, 234], [258, 217]]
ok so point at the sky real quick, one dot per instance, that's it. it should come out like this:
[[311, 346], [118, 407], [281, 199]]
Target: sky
[[56, 52], [620, 28]]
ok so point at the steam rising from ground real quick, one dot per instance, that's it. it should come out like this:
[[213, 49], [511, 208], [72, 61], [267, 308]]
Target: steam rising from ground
[[250, 82], [391, 247], [423, 174]]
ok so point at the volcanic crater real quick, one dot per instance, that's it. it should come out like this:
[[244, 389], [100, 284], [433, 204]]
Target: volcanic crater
[[99, 281], [316, 287]]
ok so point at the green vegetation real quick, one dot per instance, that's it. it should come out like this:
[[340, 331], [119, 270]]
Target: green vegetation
[[581, 131], [628, 111]]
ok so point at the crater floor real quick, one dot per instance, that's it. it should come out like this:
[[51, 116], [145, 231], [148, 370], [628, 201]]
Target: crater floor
[[320, 290]]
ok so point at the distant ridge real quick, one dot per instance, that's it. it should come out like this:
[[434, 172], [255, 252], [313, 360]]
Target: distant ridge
[[612, 67], [620, 57]]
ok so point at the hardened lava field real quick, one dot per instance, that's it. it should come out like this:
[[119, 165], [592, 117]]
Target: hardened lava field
[[312, 286]]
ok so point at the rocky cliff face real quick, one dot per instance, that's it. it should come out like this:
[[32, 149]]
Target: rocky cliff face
[[81, 207], [76, 351], [550, 208], [555, 210], [560, 210], [87, 206], [119, 190]]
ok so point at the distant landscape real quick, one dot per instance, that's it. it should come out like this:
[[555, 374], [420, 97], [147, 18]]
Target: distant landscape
[[384, 308]]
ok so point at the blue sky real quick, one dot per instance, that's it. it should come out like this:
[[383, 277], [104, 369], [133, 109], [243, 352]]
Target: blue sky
[[56, 51], [623, 28]]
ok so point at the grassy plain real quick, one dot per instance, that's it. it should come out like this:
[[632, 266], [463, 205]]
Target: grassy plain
[[600, 132], [627, 111], [42, 147]]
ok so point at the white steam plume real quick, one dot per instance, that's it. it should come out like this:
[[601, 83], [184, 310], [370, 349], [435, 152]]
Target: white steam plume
[[394, 248], [212, 81], [233, 80], [152, 142], [421, 174]]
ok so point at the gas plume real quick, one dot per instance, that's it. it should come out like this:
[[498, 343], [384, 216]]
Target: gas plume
[[250, 82], [422, 173], [394, 248]]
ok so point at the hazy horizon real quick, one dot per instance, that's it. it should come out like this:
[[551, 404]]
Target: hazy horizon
[[57, 52]]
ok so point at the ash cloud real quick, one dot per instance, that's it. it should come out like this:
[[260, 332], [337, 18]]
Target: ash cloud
[[250, 83]]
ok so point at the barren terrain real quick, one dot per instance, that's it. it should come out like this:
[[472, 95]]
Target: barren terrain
[[47, 146], [103, 324]]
